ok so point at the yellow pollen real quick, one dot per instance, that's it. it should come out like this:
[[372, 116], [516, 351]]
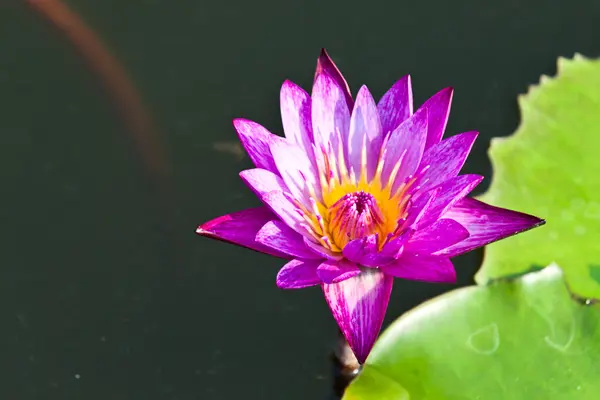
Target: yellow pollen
[[351, 207]]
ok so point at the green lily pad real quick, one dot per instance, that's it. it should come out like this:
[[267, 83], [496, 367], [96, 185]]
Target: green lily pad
[[522, 338], [550, 168]]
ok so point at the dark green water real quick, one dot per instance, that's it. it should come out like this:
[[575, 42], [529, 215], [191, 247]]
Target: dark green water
[[103, 294]]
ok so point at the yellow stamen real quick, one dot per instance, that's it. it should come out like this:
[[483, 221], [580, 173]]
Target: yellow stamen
[[350, 204]]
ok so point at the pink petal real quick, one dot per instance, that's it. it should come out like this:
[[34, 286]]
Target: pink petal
[[295, 116], [326, 66], [447, 194], [486, 224], [365, 130], [329, 112], [337, 271], [358, 305], [446, 158], [407, 141], [283, 206], [262, 181], [396, 105], [296, 170], [437, 236], [298, 274], [438, 107], [256, 139], [419, 267], [241, 228], [278, 236]]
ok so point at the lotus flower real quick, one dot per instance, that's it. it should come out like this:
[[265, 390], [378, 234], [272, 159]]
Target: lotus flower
[[358, 193]]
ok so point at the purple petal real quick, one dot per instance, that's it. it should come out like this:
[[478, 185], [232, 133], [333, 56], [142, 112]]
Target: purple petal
[[326, 66], [419, 267], [323, 252], [446, 158], [438, 107], [295, 115], [396, 105], [447, 194], [278, 236], [298, 274], [337, 271], [393, 248], [437, 236], [296, 170], [418, 209], [262, 181], [241, 228], [365, 251], [406, 142], [365, 130], [486, 224], [362, 251], [283, 206], [329, 113], [358, 305], [256, 139]]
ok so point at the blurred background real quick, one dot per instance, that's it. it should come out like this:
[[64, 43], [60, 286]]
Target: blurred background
[[105, 290]]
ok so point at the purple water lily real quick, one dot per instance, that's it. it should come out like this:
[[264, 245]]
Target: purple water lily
[[358, 193]]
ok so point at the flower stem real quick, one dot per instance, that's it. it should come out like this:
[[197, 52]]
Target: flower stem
[[345, 366]]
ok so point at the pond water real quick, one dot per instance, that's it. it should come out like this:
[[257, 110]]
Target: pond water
[[105, 290]]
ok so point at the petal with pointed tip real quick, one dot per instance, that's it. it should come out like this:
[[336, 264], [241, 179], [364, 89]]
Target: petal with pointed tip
[[406, 141], [329, 113], [446, 158], [262, 181], [295, 115], [418, 267], [441, 234], [256, 139], [396, 105], [326, 66], [365, 130], [438, 107], [418, 209], [280, 237], [296, 170], [288, 212], [337, 271], [486, 224], [241, 228], [447, 194], [319, 249], [358, 305], [298, 274]]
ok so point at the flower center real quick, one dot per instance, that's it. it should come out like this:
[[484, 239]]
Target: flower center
[[353, 216]]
